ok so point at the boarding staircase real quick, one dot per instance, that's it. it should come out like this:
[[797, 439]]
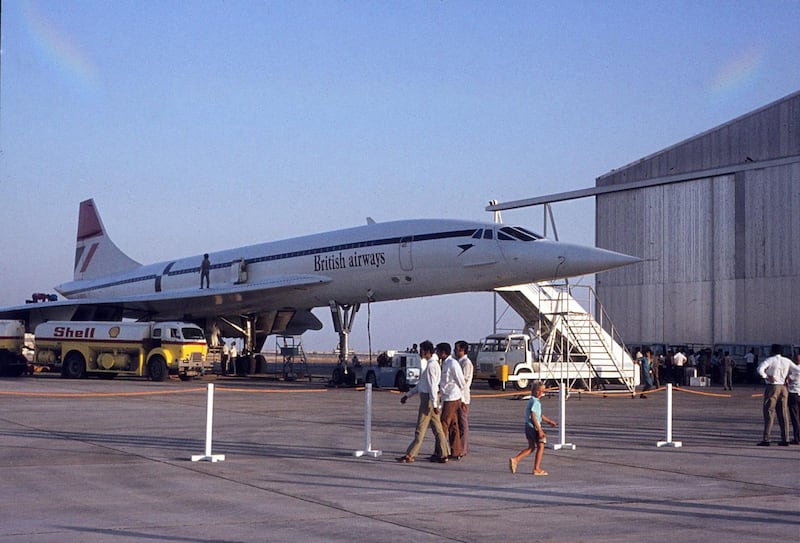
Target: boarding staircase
[[576, 348]]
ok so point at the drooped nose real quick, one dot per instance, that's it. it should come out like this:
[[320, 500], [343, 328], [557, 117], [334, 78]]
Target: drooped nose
[[579, 260]]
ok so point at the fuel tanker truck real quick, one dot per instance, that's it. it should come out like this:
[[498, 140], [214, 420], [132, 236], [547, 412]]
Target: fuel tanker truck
[[12, 339], [108, 349]]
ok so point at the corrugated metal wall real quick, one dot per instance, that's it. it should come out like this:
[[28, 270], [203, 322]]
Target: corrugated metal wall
[[765, 134], [722, 254]]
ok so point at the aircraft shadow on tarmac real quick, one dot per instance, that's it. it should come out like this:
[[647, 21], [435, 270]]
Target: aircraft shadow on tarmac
[[120, 441]]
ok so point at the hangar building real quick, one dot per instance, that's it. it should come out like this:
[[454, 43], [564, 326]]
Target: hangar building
[[716, 219]]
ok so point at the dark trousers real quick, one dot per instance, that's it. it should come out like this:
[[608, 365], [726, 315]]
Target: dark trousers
[[450, 426], [794, 414], [463, 427]]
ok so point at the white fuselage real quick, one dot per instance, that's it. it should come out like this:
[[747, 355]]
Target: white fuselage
[[382, 261]]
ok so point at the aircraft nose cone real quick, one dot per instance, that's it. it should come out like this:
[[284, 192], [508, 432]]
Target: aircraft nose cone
[[578, 260]]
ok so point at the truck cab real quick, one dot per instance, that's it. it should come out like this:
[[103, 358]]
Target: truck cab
[[395, 369], [512, 350], [183, 348]]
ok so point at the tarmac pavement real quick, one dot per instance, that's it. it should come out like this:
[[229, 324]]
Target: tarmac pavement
[[109, 461]]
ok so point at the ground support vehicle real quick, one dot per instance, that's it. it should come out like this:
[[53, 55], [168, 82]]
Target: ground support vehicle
[[108, 349], [510, 350], [12, 342], [394, 369]]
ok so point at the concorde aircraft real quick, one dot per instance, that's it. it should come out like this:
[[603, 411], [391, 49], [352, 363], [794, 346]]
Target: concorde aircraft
[[271, 287]]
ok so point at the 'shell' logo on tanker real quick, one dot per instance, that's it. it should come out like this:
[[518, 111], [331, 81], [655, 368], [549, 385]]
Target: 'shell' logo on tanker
[[69, 332]]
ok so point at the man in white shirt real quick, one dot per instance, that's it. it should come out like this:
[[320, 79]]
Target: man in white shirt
[[774, 370], [233, 358], [428, 415], [452, 391], [750, 361], [678, 361], [460, 349]]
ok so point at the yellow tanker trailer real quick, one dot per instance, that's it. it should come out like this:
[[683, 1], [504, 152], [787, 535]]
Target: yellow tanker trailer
[[151, 349]]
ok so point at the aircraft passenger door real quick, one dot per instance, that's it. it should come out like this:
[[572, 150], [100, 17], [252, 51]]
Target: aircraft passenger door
[[406, 259], [239, 272]]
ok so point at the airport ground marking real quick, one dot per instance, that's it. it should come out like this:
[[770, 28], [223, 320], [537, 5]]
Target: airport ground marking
[[148, 393], [97, 394]]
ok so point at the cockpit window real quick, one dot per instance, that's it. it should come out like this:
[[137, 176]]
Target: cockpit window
[[488, 234], [508, 233], [478, 234]]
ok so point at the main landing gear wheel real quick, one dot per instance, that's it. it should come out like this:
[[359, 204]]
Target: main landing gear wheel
[[157, 369], [341, 378]]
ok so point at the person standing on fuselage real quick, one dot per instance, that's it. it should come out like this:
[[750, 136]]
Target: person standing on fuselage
[[205, 270], [428, 415]]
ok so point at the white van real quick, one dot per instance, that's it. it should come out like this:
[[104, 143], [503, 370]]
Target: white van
[[395, 369]]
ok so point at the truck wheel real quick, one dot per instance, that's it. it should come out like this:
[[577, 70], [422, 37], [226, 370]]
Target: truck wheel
[[400, 382], [5, 364], [157, 369], [523, 382], [74, 366]]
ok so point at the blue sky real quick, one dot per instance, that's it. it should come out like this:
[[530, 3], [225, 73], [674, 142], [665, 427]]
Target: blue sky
[[199, 126]]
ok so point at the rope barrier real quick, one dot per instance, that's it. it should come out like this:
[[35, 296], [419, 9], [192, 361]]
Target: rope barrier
[[270, 391], [699, 393], [510, 394]]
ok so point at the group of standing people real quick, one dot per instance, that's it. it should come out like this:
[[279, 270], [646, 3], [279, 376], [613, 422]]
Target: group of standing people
[[781, 396], [676, 367], [444, 399]]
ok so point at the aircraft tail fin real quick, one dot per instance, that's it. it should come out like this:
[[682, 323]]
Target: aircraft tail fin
[[95, 254]]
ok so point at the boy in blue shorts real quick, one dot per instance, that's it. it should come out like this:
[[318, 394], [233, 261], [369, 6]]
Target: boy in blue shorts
[[533, 431]]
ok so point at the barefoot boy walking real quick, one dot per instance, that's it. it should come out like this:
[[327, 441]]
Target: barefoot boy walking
[[533, 431]]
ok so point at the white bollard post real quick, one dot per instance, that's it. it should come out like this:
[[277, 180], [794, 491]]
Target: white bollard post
[[368, 426], [562, 420], [669, 442], [209, 419]]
